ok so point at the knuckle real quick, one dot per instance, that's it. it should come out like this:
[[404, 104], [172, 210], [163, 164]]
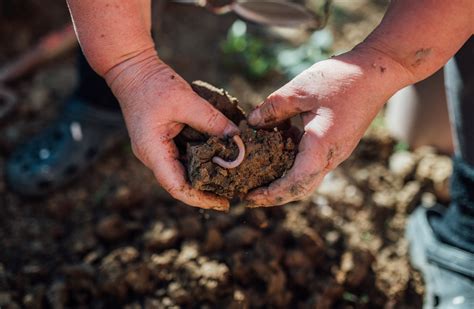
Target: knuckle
[[270, 110], [174, 191], [335, 156], [300, 189], [213, 119]]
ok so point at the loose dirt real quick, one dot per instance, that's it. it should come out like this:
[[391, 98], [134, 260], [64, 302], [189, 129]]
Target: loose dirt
[[114, 239]]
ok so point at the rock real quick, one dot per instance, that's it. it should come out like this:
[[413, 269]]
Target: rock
[[34, 271], [381, 179], [241, 236], [393, 271], [239, 300], [112, 228], [311, 244], [402, 163], [354, 268], [191, 227], [275, 278], [77, 271], [179, 294], [241, 268], [113, 269], [123, 198], [153, 303], [161, 265], [57, 295], [164, 259], [330, 295], [221, 221], [438, 170], [409, 196], [332, 238], [123, 255], [189, 251], [385, 198], [258, 218], [139, 279], [299, 267], [338, 189], [211, 276], [212, 270], [213, 242], [161, 236], [35, 298], [80, 280]]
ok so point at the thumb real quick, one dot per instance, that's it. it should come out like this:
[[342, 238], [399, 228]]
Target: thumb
[[205, 118], [275, 109]]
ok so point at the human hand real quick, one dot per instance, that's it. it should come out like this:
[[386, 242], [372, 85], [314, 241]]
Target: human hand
[[337, 99], [157, 103]]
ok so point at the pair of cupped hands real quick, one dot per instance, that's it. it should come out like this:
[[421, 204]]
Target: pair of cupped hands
[[157, 103]]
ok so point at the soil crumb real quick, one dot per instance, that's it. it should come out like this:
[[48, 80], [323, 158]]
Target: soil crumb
[[268, 153]]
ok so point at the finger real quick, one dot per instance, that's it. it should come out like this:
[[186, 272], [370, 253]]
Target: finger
[[203, 117], [275, 109], [170, 173], [301, 180]]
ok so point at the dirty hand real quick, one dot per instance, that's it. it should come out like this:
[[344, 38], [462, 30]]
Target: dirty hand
[[157, 103], [337, 100]]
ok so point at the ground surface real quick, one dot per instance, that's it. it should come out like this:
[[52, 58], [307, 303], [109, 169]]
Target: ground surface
[[115, 239]]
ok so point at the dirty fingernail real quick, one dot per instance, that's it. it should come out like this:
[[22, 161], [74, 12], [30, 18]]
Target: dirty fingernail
[[222, 208], [254, 117], [231, 130]]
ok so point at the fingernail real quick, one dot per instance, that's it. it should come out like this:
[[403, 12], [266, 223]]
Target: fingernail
[[231, 130], [221, 208], [254, 117]]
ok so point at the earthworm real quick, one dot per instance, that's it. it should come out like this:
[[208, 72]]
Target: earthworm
[[232, 164]]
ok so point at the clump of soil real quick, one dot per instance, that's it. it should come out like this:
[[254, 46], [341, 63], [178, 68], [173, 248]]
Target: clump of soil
[[268, 153], [268, 156]]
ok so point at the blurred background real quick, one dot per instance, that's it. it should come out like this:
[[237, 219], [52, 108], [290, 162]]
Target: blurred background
[[114, 239]]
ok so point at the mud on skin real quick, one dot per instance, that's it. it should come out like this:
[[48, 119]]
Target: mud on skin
[[269, 153]]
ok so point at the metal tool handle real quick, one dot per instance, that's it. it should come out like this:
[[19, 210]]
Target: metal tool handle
[[269, 12], [278, 13]]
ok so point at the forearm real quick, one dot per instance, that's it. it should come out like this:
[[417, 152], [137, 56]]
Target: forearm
[[422, 35], [112, 31]]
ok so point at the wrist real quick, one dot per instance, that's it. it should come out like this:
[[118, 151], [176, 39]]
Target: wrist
[[128, 76], [378, 74]]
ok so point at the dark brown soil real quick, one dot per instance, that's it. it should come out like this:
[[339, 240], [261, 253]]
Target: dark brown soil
[[115, 239], [268, 156], [268, 153]]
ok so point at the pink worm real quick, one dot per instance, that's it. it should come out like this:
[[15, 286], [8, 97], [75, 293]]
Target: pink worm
[[232, 164]]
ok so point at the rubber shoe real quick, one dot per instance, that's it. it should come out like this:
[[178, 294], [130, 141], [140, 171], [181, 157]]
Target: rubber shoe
[[448, 271], [61, 152]]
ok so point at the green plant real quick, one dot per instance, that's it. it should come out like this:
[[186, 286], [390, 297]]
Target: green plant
[[247, 53]]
